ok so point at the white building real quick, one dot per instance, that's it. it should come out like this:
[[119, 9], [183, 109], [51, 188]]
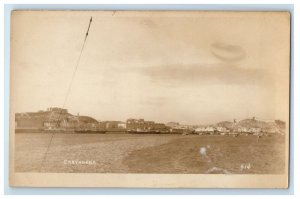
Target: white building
[[122, 125], [207, 129], [222, 129]]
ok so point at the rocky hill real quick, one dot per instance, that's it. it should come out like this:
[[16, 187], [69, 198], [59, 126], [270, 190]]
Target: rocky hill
[[42, 115], [254, 123]]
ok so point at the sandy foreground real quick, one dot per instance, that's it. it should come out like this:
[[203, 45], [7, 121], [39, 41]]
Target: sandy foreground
[[131, 153], [103, 153]]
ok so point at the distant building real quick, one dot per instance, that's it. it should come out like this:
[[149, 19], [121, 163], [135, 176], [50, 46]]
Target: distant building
[[134, 124], [272, 130], [149, 125], [159, 126], [254, 130], [56, 109], [51, 124], [221, 129], [111, 125], [179, 129], [182, 129], [122, 125], [200, 130], [205, 130], [243, 130], [101, 125], [141, 124]]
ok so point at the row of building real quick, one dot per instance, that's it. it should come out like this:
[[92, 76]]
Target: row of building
[[56, 118], [59, 119], [239, 130]]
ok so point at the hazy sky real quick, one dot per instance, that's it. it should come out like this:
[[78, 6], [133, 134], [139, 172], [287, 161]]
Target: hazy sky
[[189, 67]]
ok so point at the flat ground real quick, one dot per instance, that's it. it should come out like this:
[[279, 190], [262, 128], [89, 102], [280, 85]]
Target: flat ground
[[131, 153]]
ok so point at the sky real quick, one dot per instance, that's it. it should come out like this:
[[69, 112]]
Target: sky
[[187, 67]]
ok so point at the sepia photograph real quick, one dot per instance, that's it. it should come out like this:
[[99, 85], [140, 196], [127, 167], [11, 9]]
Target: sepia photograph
[[151, 96]]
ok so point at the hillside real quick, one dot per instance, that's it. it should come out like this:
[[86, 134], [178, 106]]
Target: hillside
[[276, 125], [43, 115], [225, 124]]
